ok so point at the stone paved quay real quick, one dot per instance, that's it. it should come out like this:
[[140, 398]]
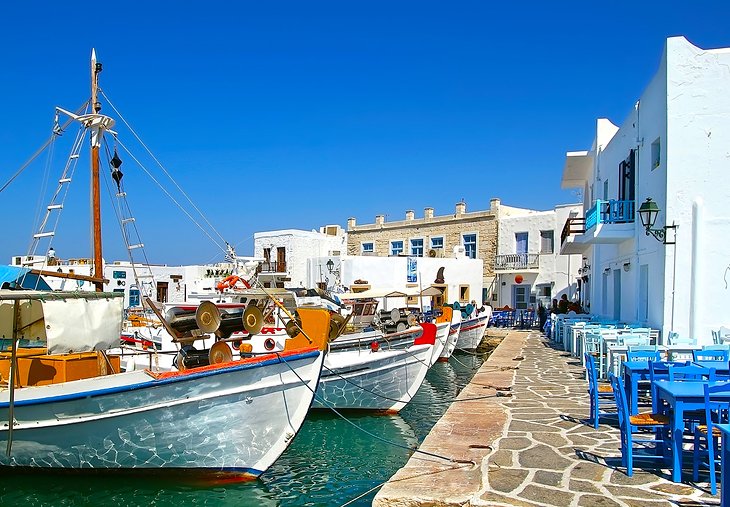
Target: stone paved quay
[[532, 448]]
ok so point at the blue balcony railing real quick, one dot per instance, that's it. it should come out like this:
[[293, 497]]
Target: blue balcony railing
[[611, 212]]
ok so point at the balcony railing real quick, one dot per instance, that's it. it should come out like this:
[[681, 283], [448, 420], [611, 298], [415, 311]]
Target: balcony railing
[[611, 212], [517, 261], [271, 267], [573, 225]]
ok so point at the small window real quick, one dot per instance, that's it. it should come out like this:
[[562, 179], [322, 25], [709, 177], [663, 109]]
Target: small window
[[546, 242], [396, 247], [367, 248], [656, 153], [417, 247], [605, 190], [464, 293], [119, 274], [134, 297], [470, 245], [437, 242]]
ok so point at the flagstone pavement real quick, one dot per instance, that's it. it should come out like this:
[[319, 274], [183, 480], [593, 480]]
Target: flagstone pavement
[[546, 453]]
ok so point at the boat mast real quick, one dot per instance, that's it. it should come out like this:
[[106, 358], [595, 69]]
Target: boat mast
[[96, 134]]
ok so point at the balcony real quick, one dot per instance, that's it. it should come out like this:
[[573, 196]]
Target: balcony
[[606, 222], [517, 262], [271, 267]]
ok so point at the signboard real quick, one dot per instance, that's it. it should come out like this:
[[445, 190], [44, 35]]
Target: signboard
[[411, 272]]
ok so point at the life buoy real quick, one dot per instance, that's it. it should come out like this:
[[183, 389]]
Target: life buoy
[[230, 281]]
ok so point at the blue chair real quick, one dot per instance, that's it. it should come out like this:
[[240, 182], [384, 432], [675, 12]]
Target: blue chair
[[691, 372], [643, 353], [711, 353], [635, 445], [715, 413], [601, 394]]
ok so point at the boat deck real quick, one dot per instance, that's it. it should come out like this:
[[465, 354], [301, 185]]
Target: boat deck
[[531, 448]]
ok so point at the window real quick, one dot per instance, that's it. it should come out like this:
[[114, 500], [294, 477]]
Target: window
[[464, 293], [546, 242], [656, 153], [521, 242], [417, 247], [134, 297], [627, 178], [605, 190], [470, 245], [119, 274], [367, 248], [396, 247], [437, 242]]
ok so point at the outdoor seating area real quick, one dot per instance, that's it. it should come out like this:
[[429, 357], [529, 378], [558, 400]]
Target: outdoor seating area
[[671, 413], [521, 319]]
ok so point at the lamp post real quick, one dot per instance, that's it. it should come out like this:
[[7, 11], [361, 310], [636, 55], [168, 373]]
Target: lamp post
[[330, 265], [648, 213]]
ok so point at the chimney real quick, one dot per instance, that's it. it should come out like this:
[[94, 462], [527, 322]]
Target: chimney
[[494, 205], [410, 214], [351, 223], [379, 219], [460, 208], [427, 213]]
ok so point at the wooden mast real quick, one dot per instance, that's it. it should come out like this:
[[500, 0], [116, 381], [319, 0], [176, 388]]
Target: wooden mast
[[96, 134]]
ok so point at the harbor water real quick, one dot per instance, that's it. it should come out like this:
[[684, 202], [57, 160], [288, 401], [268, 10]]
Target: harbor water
[[333, 460]]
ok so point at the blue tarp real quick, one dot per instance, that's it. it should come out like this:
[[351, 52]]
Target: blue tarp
[[17, 277]]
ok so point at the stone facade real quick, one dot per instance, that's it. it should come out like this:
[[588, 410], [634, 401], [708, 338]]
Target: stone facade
[[451, 228]]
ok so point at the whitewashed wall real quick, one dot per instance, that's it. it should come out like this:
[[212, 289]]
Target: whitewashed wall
[[391, 272], [685, 110], [557, 271], [300, 246]]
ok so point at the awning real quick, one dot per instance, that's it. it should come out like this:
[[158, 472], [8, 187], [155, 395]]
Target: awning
[[392, 293], [577, 169], [20, 278]]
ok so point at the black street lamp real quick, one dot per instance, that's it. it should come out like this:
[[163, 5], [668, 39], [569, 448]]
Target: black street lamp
[[648, 213]]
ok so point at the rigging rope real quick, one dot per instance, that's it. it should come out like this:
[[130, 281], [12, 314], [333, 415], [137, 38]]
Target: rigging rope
[[164, 190], [149, 152], [56, 132]]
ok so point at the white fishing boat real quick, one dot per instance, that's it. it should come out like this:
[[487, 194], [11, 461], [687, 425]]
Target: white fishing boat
[[374, 378], [67, 406], [472, 330], [454, 319]]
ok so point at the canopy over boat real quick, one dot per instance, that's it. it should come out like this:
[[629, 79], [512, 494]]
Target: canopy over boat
[[392, 293], [66, 321], [17, 277]]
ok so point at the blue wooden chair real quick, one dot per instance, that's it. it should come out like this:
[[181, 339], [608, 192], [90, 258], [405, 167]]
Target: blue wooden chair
[[601, 394], [643, 353], [711, 353], [691, 372], [715, 413], [636, 445]]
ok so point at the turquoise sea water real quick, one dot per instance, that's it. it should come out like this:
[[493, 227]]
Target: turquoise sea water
[[331, 461]]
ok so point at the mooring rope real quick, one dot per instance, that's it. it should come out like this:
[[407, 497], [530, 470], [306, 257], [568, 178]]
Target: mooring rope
[[377, 437]]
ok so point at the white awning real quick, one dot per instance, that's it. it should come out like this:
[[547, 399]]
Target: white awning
[[577, 170], [392, 293]]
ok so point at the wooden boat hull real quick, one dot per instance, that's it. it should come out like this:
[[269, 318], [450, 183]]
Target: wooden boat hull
[[232, 419]]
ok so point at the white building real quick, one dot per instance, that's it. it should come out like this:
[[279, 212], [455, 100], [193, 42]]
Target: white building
[[458, 276], [528, 267], [285, 252], [674, 148]]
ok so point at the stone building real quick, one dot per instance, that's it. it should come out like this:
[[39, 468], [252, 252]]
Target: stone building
[[469, 234]]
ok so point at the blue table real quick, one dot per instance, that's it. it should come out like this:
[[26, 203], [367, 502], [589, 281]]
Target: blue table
[[725, 452], [635, 371], [680, 397]]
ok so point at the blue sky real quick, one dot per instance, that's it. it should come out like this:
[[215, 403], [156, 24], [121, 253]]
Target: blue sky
[[276, 115]]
